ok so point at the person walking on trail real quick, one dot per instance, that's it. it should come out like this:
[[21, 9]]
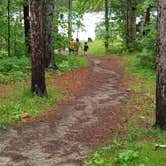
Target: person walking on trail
[[71, 46], [86, 47], [77, 46]]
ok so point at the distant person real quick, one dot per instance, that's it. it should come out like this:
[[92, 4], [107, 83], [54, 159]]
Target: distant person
[[86, 47], [90, 39], [71, 46], [77, 46]]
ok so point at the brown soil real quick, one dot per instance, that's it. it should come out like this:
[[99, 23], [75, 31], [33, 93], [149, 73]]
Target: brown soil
[[88, 120]]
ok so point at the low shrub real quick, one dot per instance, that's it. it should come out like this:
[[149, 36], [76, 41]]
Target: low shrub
[[70, 62], [13, 68]]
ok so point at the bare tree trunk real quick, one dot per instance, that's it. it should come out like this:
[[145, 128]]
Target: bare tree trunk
[[27, 26], [147, 15], [127, 24], [48, 34], [15, 37], [146, 21], [106, 25], [56, 30], [69, 20], [37, 44], [8, 8], [131, 24], [161, 67]]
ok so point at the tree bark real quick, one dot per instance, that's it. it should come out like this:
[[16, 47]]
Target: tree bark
[[38, 85], [69, 20], [8, 9], [48, 34], [106, 25], [147, 15], [131, 24], [56, 25], [146, 21], [161, 67], [27, 26]]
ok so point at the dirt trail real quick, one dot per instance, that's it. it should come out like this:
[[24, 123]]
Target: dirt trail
[[67, 136]]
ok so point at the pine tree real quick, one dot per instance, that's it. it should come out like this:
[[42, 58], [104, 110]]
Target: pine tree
[[70, 19], [106, 25], [26, 25], [161, 67], [48, 9], [38, 85], [131, 24]]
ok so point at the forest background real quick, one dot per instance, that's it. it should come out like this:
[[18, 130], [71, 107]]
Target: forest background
[[127, 30]]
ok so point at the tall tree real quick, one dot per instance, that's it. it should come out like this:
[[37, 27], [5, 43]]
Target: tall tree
[[147, 15], [48, 33], [8, 9], [26, 25], [70, 19], [38, 85], [146, 21], [106, 25], [161, 67], [131, 24]]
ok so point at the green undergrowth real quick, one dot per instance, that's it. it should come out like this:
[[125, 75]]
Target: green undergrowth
[[13, 69], [97, 48], [129, 153], [21, 101], [137, 146], [70, 62], [134, 65]]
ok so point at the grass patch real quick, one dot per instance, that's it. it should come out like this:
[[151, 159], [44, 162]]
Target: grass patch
[[128, 154], [14, 69], [22, 101], [70, 62], [134, 66], [97, 48]]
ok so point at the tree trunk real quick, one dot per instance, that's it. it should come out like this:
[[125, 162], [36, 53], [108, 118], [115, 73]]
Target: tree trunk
[[161, 67], [15, 37], [146, 21], [70, 20], [147, 15], [27, 26], [131, 24], [48, 34], [56, 30], [8, 9], [37, 43], [106, 25]]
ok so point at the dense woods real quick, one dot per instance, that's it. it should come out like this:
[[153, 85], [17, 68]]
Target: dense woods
[[36, 52], [129, 23]]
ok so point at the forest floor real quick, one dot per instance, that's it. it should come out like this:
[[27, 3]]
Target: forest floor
[[80, 125]]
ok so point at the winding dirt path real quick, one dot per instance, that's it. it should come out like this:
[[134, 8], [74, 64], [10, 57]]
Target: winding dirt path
[[67, 136]]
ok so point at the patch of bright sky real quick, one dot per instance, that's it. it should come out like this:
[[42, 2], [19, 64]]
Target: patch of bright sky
[[90, 20]]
